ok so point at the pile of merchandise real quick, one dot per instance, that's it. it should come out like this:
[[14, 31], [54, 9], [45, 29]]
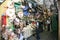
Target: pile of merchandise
[[21, 17]]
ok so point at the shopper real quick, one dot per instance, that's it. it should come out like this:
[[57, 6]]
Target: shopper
[[37, 26], [37, 31], [39, 18], [48, 23]]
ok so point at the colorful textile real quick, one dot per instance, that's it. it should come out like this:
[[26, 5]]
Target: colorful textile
[[25, 11], [4, 20]]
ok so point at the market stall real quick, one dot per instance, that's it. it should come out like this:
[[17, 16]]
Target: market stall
[[23, 17]]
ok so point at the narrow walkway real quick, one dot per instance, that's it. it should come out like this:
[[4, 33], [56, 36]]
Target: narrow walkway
[[46, 36]]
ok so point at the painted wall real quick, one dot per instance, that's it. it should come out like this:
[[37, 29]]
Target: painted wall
[[3, 7]]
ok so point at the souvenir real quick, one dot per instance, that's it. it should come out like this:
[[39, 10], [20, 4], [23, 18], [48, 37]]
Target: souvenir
[[25, 11], [18, 7], [30, 5], [17, 21], [52, 1], [47, 4], [39, 2], [10, 4], [21, 36], [11, 10], [20, 15], [12, 27], [5, 35], [4, 20]]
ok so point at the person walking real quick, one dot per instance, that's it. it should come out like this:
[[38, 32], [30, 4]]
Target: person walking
[[48, 23], [37, 31]]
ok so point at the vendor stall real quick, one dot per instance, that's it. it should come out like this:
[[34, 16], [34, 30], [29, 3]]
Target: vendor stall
[[28, 31]]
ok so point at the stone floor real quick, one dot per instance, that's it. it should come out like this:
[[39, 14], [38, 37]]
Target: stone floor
[[46, 36]]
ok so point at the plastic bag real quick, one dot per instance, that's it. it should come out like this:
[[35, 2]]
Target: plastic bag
[[21, 36]]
